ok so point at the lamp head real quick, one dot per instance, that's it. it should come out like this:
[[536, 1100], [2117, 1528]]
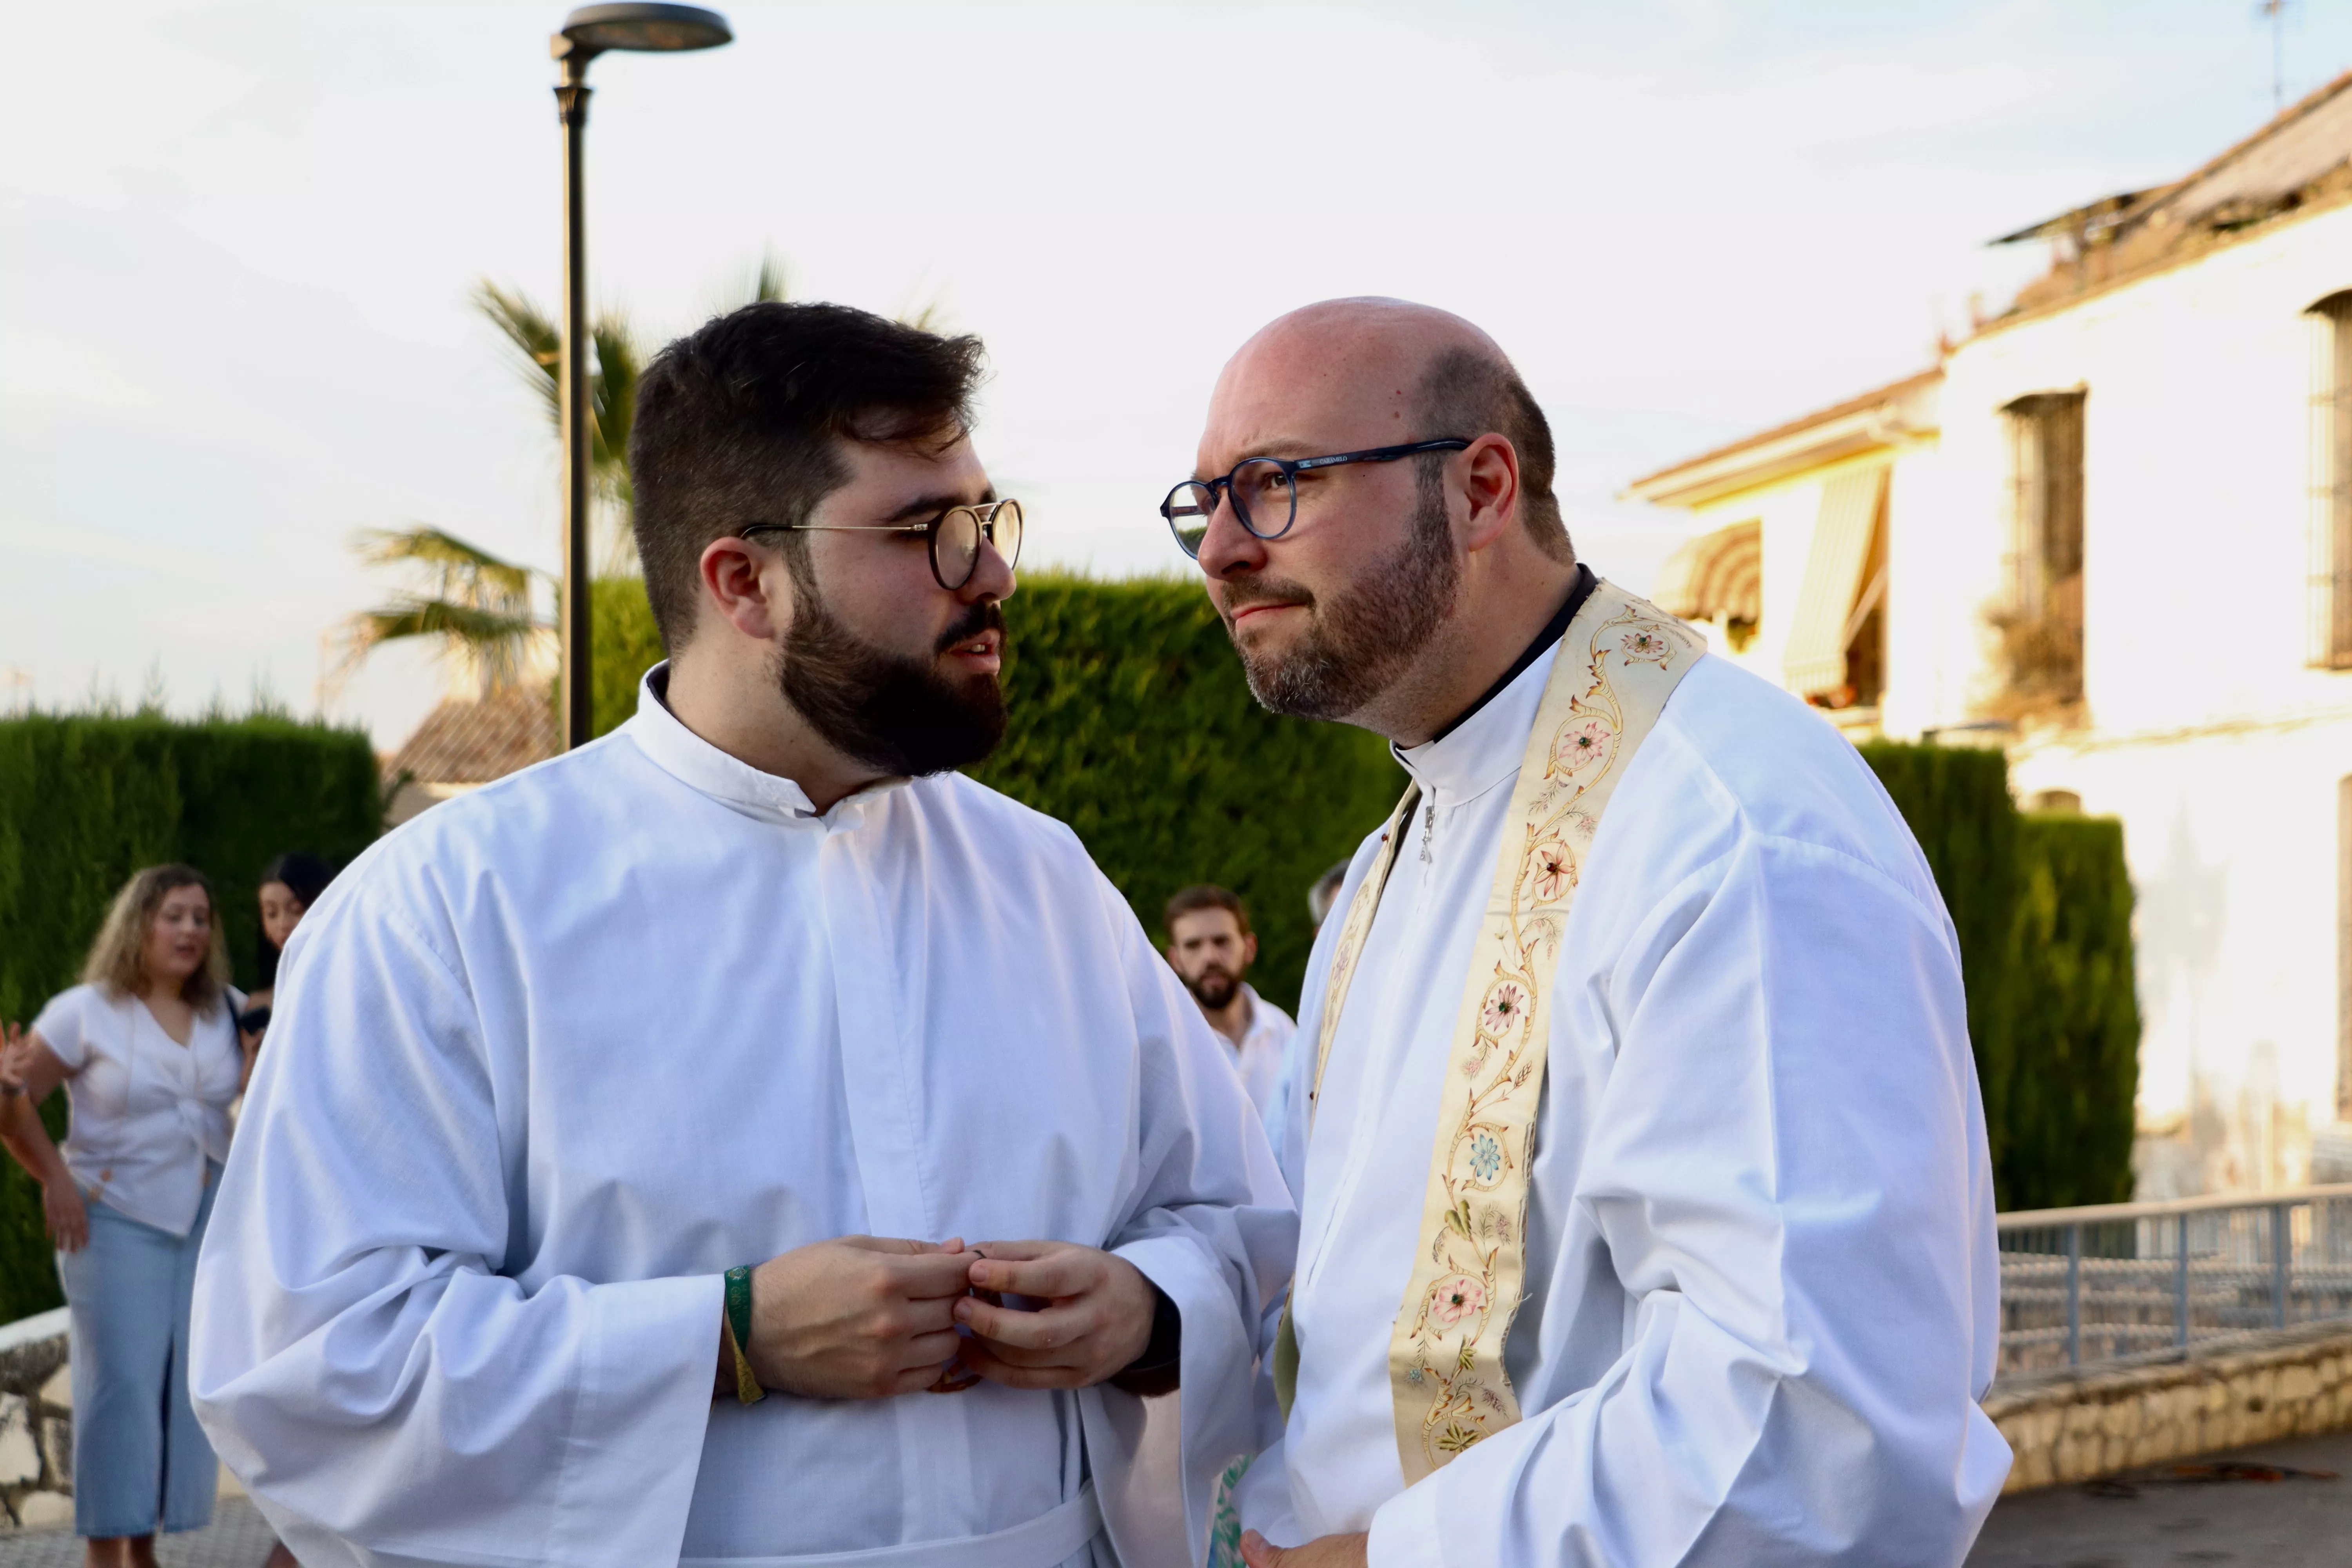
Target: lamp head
[[592, 29]]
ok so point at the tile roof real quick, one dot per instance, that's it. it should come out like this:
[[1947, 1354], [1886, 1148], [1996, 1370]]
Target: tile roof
[[473, 741], [2300, 160]]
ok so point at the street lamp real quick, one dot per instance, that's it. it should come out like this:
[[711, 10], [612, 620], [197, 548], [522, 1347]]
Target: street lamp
[[587, 33]]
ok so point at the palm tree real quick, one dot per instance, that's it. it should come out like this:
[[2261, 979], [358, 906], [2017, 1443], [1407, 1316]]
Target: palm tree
[[479, 605]]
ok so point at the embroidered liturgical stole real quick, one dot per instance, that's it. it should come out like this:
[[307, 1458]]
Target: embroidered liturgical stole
[[1618, 663]]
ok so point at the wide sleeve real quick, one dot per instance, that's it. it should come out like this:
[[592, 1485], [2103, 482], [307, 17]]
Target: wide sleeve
[[1210, 1222], [1787, 1169], [358, 1359]]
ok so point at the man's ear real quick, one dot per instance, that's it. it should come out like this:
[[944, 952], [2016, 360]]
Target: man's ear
[[1249, 949], [1490, 483], [735, 584]]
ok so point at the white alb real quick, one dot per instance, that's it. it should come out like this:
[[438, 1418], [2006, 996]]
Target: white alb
[[1762, 1297], [551, 1059]]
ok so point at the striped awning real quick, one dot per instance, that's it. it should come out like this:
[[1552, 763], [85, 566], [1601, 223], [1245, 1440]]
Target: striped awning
[[1813, 659], [1717, 573]]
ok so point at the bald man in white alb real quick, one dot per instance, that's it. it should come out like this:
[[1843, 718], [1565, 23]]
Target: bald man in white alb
[[1647, 1216]]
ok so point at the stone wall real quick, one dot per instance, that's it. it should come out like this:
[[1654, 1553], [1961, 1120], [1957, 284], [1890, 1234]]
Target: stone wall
[[2252, 1388], [35, 1423]]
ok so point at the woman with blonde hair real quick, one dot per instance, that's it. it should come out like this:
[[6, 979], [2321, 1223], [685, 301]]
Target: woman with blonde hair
[[148, 1050]]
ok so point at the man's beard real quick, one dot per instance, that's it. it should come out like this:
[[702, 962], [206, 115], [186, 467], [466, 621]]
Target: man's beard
[[1360, 641], [900, 715], [1212, 988]]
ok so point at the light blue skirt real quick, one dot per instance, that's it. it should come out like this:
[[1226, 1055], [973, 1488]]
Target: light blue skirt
[[140, 1459]]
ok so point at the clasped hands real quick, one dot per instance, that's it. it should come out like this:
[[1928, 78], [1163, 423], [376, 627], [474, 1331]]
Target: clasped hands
[[863, 1317]]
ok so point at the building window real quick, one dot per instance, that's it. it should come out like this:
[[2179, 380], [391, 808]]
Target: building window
[[2331, 482], [2041, 622]]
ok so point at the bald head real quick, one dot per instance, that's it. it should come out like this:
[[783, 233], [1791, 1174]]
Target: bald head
[[1379, 372], [1389, 588]]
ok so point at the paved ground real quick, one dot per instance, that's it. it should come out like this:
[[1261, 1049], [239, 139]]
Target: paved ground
[[2276, 1506], [238, 1539], [2207, 1512]]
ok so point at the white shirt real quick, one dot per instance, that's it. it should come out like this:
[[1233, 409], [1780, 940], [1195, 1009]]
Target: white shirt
[[1263, 1059], [1762, 1295], [549, 1058], [147, 1112]]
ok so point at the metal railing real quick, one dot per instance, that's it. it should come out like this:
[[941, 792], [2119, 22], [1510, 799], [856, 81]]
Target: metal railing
[[2122, 1282]]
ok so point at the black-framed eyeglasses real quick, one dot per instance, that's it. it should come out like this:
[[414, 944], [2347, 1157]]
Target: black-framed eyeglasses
[[1265, 490], [954, 536]]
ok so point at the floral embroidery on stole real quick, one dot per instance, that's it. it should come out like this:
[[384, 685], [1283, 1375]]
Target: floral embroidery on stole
[[1618, 661]]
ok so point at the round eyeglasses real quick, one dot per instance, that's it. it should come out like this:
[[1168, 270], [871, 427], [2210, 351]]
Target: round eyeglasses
[[1265, 490], [954, 536]]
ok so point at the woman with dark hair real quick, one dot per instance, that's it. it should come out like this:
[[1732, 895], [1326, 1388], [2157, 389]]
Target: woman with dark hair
[[148, 1052], [290, 885]]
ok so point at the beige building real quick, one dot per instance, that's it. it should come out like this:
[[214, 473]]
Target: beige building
[[2112, 533]]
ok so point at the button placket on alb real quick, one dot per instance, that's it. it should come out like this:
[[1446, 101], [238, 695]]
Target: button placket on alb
[[881, 1072]]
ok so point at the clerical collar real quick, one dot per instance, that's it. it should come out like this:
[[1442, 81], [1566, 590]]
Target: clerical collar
[[1553, 630], [733, 783], [1483, 748]]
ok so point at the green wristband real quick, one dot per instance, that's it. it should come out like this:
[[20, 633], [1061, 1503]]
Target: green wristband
[[738, 1303], [739, 1334]]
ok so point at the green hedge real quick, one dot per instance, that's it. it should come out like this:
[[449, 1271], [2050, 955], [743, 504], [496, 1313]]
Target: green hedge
[[623, 644], [1131, 722], [2077, 1031], [2042, 907], [87, 800]]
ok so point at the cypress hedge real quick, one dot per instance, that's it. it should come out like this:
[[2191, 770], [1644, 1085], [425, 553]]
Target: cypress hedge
[[1958, 804], [2042, 907], [626, 645], [1131, 722], [86, 800], [2070, 1110]]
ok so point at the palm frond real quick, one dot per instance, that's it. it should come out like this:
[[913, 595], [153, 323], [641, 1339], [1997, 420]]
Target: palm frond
[[611, 402], [767, 283], [537, 341], [497, 644], [462, 572]]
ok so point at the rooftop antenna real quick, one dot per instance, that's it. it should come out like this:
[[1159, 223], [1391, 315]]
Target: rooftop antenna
[[2275, 12]]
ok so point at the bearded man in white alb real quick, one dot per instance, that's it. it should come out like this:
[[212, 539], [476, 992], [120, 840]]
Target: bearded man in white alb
[[1647, 1215], [645, 1141]]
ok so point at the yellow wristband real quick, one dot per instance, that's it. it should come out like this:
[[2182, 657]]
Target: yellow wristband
[[747, 1387]]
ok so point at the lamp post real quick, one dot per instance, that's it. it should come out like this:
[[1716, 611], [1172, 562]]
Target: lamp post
[[587, 33]]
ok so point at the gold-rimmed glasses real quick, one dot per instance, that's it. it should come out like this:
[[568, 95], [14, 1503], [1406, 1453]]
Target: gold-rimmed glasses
[[954, 536]]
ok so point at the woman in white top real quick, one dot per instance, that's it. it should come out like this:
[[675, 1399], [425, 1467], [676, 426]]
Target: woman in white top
[[148, 1050]]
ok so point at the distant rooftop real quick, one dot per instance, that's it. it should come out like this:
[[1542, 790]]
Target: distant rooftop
[[2299, 162], [1879, 417], [464, 742]]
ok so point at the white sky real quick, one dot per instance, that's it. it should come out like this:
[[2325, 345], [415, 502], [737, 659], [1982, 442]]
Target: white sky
[[236, 242]]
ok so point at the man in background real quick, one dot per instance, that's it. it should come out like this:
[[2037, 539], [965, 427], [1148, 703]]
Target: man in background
[[1211, 947]]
